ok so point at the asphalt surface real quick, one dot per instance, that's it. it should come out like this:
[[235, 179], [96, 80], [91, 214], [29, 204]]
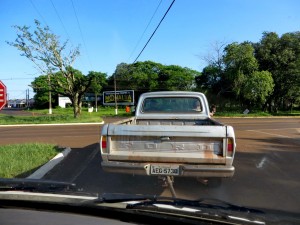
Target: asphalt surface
[[267, 164]]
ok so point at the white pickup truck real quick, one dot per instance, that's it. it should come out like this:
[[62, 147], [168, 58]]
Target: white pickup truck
[[171, 134]]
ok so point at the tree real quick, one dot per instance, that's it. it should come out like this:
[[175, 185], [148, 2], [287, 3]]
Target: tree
[[98, 82], [215, 57], [44, 49], [73, 84], [242, 74], [265, 73], [281, 57], [139, 76], [40, 86], [258, 86], [177, 78], [212, 80], [152, 76], [209, 79], [239, 63]]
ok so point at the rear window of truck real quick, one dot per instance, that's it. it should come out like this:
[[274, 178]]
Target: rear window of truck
[[171, 105]]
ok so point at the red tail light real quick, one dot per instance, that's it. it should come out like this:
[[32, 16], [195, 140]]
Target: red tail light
[[103, 143], [230, 147]]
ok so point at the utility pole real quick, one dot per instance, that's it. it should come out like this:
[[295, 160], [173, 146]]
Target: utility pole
[[50, 97], [27, 98], [96, 100], [116, 104]]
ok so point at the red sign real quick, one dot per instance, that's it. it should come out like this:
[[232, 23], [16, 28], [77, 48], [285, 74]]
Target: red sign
[[2, 95]]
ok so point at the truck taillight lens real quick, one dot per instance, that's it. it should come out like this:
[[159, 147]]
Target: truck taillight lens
[[230, 146], [103, 143]]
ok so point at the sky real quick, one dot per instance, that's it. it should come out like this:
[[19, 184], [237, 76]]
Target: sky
[[110, 32]]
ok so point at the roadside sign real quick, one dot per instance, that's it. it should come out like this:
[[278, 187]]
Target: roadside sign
[[2, 95], [124, 97]]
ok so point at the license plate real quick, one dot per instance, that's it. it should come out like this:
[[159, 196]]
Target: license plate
[[164, 170]]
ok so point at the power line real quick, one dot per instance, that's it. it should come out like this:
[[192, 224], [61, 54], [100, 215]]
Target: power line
[[63, 25], [81, 34], [145, 29], [38, 12], [60, 19], [154, 31], [18, 78]]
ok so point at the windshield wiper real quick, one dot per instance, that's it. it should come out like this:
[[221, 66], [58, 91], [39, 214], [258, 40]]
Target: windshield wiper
[[121, 197], [150, 200], [208, 203], [34, 185], [205, 208]]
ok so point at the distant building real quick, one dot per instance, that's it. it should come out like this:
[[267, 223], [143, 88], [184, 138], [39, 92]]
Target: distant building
[[20, 103], [63, 101], [88, 99]]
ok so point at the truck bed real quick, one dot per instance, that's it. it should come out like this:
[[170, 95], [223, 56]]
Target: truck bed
[[176, 122]]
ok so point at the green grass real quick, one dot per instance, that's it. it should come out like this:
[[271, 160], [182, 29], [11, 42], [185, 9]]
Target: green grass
[[60, 115], [238, 114], [66, 115], [103, 110], [256, 114], [21, 160]]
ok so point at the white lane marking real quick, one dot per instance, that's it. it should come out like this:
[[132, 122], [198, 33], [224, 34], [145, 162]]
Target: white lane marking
[[297, 129], [278, 135], [261, 163]]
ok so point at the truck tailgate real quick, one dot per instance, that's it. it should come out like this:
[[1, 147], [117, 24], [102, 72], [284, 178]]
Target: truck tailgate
[[160, 144]]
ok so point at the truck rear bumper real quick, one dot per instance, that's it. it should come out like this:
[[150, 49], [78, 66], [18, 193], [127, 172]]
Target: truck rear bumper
[[184, 169]]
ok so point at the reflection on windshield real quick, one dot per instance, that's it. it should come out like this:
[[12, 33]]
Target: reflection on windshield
[[59, 58]]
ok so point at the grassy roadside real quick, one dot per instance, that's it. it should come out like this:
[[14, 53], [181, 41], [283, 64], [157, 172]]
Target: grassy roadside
[[58, 115], [258, 114], [21, 160]]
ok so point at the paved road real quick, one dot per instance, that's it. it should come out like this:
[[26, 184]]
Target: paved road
[[267, 164]]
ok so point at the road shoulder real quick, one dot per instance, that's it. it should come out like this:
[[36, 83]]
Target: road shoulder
[[38, 174]]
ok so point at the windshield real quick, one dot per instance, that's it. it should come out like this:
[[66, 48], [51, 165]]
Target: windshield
[[72, 73], [173, 105]]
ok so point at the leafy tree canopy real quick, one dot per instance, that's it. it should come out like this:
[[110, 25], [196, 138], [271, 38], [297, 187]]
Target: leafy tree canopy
[[281, 57], [93, 81], [152, 76], [55, 60]]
